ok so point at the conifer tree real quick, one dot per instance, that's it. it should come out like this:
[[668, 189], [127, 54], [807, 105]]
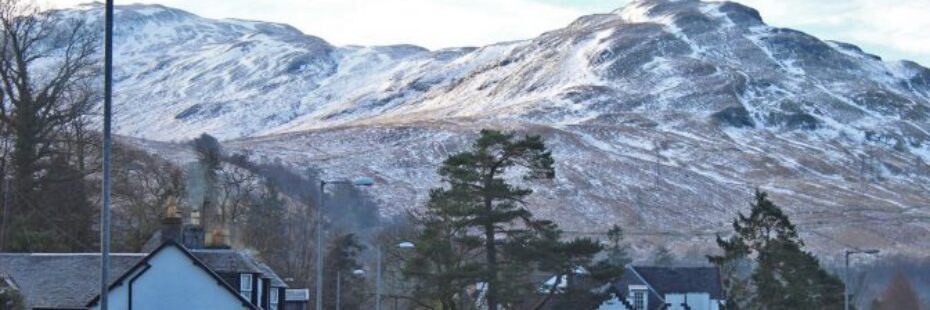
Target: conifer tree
[[486, 202], [784, 275], [664, 257], [445, 256], [618, 252]]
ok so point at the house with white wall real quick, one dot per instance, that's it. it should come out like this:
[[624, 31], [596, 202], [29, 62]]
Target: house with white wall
[[172, 278], [177, 272], [666, 288]]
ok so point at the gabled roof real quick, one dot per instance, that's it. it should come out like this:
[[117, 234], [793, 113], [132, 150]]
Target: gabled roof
[[661, 281], [197, 262], [233, 261], [61, 280], [667, 280]]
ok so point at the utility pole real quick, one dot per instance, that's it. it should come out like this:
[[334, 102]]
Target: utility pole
[[846, 283], [107, 150], [319, 247]]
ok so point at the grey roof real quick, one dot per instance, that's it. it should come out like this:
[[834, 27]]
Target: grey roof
[[225, 260], [61, 280], [666, 280], [683, 280], [72, 279]]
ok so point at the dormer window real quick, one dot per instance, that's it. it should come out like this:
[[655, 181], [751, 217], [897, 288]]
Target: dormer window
[[638, 297], [273, 303], [258, 301], [245, 286]]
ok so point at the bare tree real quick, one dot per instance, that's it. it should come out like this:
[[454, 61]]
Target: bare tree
[[47, 69], [143, 188]]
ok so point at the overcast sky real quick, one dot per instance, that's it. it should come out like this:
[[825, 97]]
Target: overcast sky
[[893, 29]]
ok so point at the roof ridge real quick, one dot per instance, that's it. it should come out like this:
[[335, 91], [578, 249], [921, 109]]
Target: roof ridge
[[64, 254]]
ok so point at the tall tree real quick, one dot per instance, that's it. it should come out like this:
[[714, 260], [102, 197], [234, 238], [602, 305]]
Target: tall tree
[[47, 70], [492, 205], [571, 263], [618, 252], [785, 276], [664, 257], [445, 258]]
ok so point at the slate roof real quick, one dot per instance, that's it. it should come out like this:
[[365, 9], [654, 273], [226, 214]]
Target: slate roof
[[232, 261], [59, 280], [667, 280]]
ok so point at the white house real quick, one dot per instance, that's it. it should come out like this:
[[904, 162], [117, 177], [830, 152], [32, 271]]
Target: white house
[[155, 283], [672, 288]]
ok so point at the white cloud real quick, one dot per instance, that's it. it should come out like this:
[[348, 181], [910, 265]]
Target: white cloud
[[429, 23], [893, 29]]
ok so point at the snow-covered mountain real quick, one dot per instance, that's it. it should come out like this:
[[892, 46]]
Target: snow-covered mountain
[[663, 115]]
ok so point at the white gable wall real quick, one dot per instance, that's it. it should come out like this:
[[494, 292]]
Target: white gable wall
[[696, 301], [173, 282]]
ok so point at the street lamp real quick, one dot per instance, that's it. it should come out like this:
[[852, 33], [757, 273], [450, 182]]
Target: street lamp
[[356, 272], [363, 181], [846, 283], [404, 245]]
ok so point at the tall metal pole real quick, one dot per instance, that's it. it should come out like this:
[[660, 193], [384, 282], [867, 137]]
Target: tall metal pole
[[338, 289], [378, 285], [107, 145], [319, 248], [846, 283]]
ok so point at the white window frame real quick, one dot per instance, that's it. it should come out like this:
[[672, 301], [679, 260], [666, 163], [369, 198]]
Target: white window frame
[[273, 298], [639, 289], [245, 285], [258, 297]]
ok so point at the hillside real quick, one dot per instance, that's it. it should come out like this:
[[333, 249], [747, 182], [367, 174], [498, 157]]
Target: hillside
[[663, 115]]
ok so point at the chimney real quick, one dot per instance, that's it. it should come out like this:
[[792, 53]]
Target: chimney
[[172, 223]]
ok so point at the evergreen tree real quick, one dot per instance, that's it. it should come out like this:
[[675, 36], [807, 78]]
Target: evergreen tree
[[618, 252], [664, 257], [487, 203], [444, 260], [785, 276], [570, 263]]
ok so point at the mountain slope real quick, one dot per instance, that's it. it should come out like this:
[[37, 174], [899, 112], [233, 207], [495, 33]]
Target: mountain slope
[[663, 115]]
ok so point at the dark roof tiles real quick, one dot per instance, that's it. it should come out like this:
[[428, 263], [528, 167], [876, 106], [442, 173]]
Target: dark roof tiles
[[72, 279]]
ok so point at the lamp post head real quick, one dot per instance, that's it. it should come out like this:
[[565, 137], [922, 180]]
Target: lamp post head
[[872, 251], [358, 272], [407, 245], [363, 181]]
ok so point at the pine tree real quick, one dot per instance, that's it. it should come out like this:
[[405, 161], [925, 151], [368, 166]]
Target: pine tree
[[496, 208], [443, 262], [568, 262], [664, 257], [618, 252], [785, 276]]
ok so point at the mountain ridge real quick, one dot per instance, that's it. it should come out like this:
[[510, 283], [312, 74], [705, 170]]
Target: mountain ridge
[[663, 115]]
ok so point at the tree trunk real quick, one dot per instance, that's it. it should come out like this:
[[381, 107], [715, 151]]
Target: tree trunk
[[491, 252]]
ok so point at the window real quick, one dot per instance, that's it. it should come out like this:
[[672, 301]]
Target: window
[[273, 303], [258, 300], [638, 297], [245, 286]]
